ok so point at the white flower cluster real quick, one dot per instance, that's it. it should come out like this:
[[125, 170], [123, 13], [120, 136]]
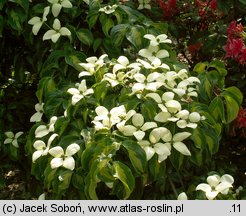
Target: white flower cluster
[[144, 4], [149, 78], [108, 9], [80, 92], [215, 185], [12, 138], [57, 31], [61, 158]]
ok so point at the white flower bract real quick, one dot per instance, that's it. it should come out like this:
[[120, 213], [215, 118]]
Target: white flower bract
[[155, 41], [146, 83], [57, 5], [12, 138], [138, 127], [153, 52], [106, 119], [41, 148], [216, 185], [144, 4], [64, 159], [37, 22], [36, 117], [93, 64], [80, 92], [43, 130], [182, 196], [108, 9], [56, 32]]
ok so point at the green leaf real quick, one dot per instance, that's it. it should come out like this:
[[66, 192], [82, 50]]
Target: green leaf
[[78, 180], [157, 170], [206, 137], [50, 176], [129, 103], [107, 23], [219, 66], [215, 79], [124, 174], [232, 108], [212, 142], [94, 4], [16, 17], [224, 6], [1, 25], [136, 155], [197, 158], [135, 36], [61, 126], [92, 177], [233, 98], [243, 1], [133, 14], [235, 93], [200, 67], [92, 17], [45, 87], [74, 61], [38, 8], [216, 107], [198, 138], [118, 16], [106, 174], [2, 3], [91, 182], [19, 70], [118, 33], [205, 87], [24, 4], [159, 28], [96, 44], [66, 140], [85, 36], [148, 110], [52, 62], [100, 90], [39, 166], [66, 179], [54, 104], [101, 145], [176, 159], [13, 152]]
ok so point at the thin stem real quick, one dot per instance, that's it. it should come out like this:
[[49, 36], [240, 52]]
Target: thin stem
[[172, 186], [180, 179], [47, 25]]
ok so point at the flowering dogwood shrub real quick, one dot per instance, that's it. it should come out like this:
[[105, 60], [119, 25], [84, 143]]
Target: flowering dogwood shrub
[[123, 123]]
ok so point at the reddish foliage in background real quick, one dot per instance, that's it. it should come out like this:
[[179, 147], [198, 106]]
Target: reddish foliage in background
[[241, 118], [194, 48], [235, 47], [242, 59], [234, 30], [208, 12], [168, 7], [208, 3], [205, 5], [213, 4]]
